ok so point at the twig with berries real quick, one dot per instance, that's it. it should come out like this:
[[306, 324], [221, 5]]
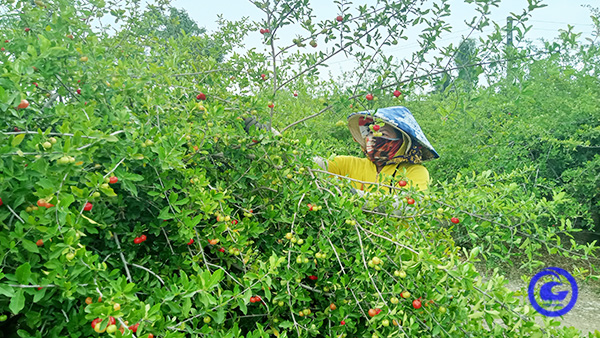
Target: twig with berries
[[174, 327], [291, 309], [362, 251]]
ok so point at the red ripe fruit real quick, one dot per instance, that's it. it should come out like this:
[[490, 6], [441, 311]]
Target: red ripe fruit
[[340, 18], [252, 299], [397, 93], [111, 320], [143, 238], [310, 207], [369, 97], [134, 328], [263, 75], [88, 206], [113, 180], [343, 322], [262, 31], [234, 222], [24, 104], [313, 277], [95, 321], [416, 304], [410, 201], [191, 241], [201, 96], [454, 220], [78, 91], [295, 93], [1, 201], [40, 288], [6, 41], [137, 240], [271, 105], [402, 183], [222, 249], [39, 242], [27, 29], [267, 30], [372, 312], [376, 127], [2, 49], [35, 84], [150, 335]]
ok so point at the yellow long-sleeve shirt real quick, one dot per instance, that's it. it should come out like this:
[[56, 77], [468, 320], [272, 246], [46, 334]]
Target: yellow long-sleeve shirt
[[363, 169]]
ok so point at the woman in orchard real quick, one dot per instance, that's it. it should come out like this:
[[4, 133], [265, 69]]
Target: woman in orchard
[[394, 146]]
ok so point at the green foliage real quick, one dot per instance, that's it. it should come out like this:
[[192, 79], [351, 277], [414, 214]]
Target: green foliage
[[202, 217]]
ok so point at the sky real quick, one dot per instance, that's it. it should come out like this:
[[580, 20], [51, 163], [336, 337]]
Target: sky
[[545, 21]]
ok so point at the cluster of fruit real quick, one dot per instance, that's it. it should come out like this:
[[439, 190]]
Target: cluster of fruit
[[375, 262], [139, 240], [314, 207], [293, 239]]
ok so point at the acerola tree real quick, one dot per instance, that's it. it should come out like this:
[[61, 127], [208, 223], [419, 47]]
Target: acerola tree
[[208, 230]]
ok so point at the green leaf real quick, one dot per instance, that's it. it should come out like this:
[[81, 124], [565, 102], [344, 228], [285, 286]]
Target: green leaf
[[7, 290], [17, 303], [17, 140], [30, 246], [242, 305], [23, 273], [220, 315]]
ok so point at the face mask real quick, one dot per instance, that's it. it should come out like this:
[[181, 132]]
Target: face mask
[[381, 150]]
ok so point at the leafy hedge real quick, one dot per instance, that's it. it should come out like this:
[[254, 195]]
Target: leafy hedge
[[129, 198]]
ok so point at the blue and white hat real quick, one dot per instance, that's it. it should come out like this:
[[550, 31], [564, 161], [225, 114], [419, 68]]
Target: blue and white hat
[[400, 118]]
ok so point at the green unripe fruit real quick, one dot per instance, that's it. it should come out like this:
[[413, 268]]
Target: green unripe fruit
[[96, 194], [394, 300], [3, 318], [111, 328], [442, 309], [52, 140], [70, 256], [298, 259], [281, 303], [305, 260], [300, 241], [207, 319], [47, 145], [385, 322]]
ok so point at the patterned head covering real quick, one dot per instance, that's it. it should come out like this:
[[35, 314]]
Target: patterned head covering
[[416, 147]]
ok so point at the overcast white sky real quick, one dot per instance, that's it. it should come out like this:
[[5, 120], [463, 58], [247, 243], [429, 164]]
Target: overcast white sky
[[546, 21]]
